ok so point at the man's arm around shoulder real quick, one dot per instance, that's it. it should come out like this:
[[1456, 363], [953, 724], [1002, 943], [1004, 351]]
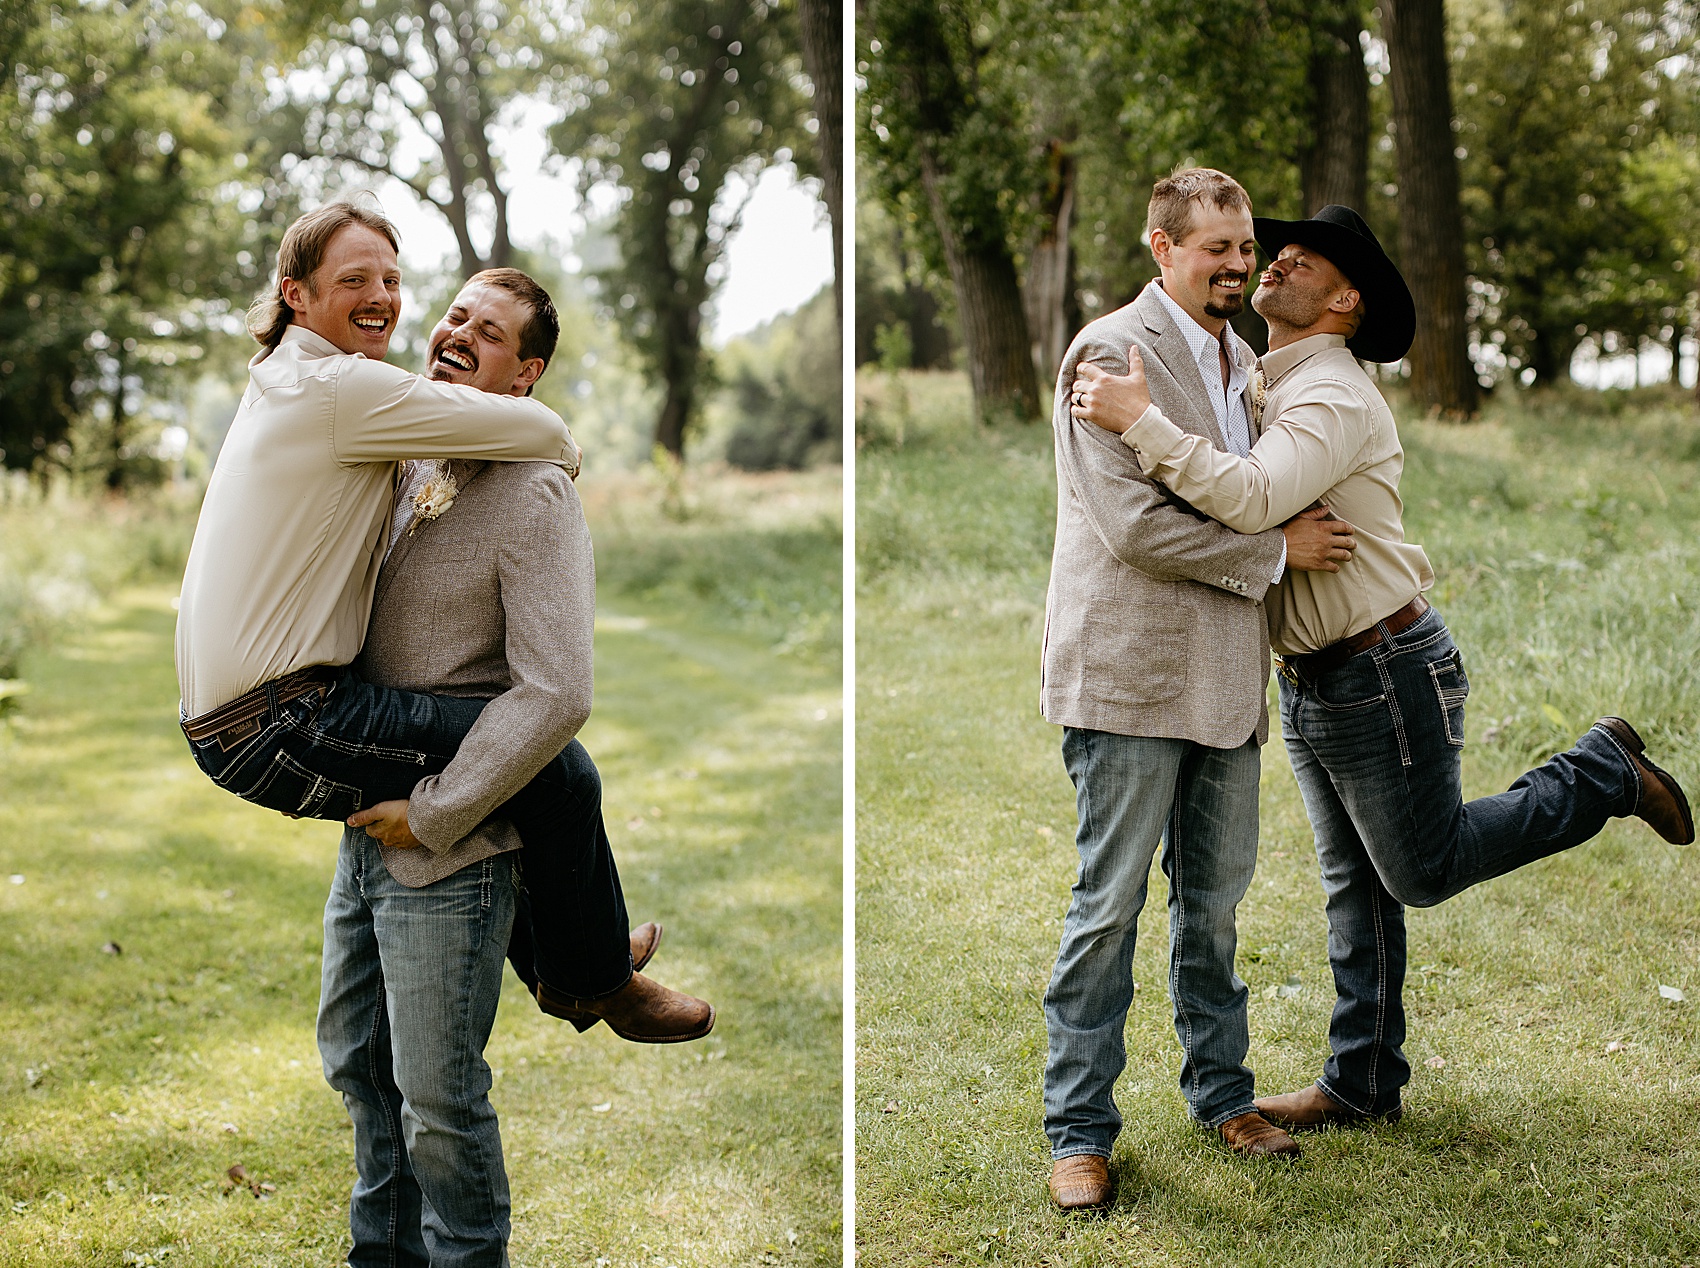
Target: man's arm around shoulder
[[1137, 521], [384, 414]]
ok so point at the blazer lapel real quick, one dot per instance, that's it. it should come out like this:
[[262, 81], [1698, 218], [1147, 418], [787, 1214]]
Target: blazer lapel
[[1177, 358]]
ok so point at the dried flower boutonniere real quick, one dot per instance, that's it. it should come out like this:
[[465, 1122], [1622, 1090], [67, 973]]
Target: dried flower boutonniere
[[435, 498], [1259, 394]]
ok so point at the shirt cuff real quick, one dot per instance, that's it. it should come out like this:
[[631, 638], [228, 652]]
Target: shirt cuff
[[1280, 568], [1152, 437]]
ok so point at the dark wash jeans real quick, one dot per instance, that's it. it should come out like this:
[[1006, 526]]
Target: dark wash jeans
[[320, 758], [1377, 747]]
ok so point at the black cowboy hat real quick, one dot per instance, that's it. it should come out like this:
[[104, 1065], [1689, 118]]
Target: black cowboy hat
[[1340, 234]]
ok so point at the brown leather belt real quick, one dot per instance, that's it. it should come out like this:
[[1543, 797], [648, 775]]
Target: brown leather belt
[[1314, 664], [232, 723]]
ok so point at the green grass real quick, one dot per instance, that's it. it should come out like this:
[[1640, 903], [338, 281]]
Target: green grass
[[130, 1082], [1551, 1117]]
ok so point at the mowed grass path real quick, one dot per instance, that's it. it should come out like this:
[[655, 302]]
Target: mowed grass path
[[130, 1082], [1551, 1119]]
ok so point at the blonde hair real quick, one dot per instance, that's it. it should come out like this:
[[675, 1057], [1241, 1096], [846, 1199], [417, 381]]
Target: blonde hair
[[300, 255]]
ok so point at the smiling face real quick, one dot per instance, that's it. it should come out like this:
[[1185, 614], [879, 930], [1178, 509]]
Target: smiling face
[[477, 342], [354, 297], [1205, 272], [1302, 291]]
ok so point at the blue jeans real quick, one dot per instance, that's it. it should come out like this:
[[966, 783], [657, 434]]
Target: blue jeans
[[1201, 803], [326, 758], [408, 996], [1377, 747]]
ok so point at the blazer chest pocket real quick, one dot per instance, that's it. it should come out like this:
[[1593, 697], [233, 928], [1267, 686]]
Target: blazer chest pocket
[[1137, 653]]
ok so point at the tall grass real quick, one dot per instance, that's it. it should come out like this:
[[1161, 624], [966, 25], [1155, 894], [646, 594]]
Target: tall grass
[[1550, 1119]]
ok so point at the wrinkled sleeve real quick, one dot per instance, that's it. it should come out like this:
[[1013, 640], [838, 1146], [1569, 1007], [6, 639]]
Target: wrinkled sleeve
[[1304, 453], [1137, 521], [384, 414]]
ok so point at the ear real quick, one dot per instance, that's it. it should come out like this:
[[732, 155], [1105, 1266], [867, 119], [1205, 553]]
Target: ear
[[294, 294], [529, 372], [1345, 301], [1161, 247]]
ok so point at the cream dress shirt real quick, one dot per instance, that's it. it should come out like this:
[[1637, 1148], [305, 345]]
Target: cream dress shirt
[[286, 552], [1327, 435]]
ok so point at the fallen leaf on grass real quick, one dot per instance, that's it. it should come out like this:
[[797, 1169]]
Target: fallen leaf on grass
[[602, 1108], [112, 948], [1671, 993], [1436, 1063], [238, 1175], [890, 1108], [1617, 1045]]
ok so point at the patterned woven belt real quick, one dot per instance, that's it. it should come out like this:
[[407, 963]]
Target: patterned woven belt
[[232, 723]]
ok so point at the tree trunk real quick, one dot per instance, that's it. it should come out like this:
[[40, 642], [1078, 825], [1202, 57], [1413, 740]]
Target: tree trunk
[[823, 26], [1431, 229], [988, 305], [120, 428], [1335, 167], [1053, 313]]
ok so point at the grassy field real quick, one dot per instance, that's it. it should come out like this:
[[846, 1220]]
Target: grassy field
[[159, 940], [1551, 1119]]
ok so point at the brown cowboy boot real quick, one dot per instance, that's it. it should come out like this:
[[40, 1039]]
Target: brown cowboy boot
[[1310, 1108], [645, 938], [1081, 1182], [1662, 803], [1254, 1136], [641, 1011]]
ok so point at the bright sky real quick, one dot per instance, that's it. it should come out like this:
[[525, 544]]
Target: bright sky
[[780, 256]]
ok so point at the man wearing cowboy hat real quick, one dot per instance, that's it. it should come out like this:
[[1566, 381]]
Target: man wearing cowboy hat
[[1372, 686]]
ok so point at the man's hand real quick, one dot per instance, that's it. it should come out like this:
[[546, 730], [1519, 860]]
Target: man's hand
[[1316, 541], [387, 822], [1112, 401]]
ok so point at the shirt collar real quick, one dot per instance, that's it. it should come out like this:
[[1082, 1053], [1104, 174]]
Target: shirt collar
[[310, 345], [1278, 362], [1203, 343]]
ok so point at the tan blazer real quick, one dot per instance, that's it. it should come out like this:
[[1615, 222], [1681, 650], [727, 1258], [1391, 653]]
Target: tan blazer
[[1154, 623], [496, 599]]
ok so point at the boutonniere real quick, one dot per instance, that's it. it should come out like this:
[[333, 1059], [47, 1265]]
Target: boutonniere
[[435, 498], [1259, 394]]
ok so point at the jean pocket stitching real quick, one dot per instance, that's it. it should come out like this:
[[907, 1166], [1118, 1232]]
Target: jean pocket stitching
[[1450, 698], [413, 757], [320, 791]]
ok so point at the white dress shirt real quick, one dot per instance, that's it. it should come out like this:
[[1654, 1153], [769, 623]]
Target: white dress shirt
[[1233, 416], [1233, 413]]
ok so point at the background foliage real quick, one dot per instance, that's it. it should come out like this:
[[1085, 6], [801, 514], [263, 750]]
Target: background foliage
[[1576, 126], [152, 151]]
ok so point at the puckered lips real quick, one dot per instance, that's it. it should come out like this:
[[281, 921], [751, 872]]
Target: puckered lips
[[452, 361]]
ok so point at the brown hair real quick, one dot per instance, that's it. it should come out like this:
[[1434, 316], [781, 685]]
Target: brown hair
[[539, 335], [300, 255], [1174, 197]]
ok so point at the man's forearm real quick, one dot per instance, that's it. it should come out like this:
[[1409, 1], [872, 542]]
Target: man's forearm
[[1145, 529], [1287, 470], [518, 734]]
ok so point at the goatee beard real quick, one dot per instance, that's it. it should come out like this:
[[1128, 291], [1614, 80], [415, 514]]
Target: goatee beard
[[1230, 307]]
